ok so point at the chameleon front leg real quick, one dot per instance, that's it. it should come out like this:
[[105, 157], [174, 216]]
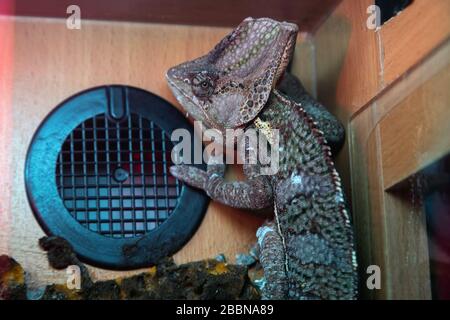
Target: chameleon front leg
[[255, 193]]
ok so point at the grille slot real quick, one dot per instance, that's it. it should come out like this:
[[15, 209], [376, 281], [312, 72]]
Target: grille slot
[[113, 177]]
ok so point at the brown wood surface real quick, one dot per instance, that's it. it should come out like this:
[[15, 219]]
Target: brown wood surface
[[307, 14], [410, 36], [357, 133], [397, 236], [416, 132], [347, 59], [355, 64], [362, 75], [399, 133], [6, 130]]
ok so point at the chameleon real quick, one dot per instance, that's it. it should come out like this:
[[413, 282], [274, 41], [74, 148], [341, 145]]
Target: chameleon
[[333, 130], [307, 249]]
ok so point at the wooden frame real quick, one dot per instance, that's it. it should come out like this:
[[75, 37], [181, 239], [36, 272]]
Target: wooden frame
[[367, 74], [397, 135], [307, 14]]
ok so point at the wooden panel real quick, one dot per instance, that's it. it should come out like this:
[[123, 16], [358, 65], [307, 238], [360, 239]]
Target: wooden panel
[[376, 219], [354, 67], [364, 154], [346, 68], [397, 234], [415, 133], [410, 36], [355, 64], [354, 71], [6, 90], [358, 133], [46, 63], [406, 248], [307, 14], [410, 81], [303, 63], [390, 231], [347, 59]]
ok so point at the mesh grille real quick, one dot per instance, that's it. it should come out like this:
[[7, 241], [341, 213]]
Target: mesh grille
[[113, 177]]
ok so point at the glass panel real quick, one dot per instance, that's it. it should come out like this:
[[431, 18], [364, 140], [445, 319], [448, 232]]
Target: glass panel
[[434, 184]]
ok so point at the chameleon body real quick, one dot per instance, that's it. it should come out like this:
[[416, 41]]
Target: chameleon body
[[333, 130], [307, 251]]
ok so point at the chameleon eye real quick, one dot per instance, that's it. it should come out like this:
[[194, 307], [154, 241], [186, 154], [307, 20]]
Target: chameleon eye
[[203, 85]]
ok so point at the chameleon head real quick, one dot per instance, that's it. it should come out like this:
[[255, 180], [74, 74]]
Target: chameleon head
[[229, 86]]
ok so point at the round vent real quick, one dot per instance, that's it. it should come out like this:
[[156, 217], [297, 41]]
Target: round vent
[[113, 177], [97, 174]]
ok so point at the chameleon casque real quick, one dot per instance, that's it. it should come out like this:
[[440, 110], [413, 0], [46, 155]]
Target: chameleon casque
[[307, 251]]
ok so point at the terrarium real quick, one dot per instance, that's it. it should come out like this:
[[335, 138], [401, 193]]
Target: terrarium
[[173, 150]]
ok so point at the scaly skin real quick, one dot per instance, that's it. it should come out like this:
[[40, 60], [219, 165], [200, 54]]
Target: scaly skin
[[307, 251], [333, 130]]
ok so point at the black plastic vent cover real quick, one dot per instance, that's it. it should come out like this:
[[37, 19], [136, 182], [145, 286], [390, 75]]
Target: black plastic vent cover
[[114, 176], [97, 174]]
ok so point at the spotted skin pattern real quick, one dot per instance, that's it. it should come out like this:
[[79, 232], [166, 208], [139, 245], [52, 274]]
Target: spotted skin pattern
[[307, 251], [314, 223], [333, 130]]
